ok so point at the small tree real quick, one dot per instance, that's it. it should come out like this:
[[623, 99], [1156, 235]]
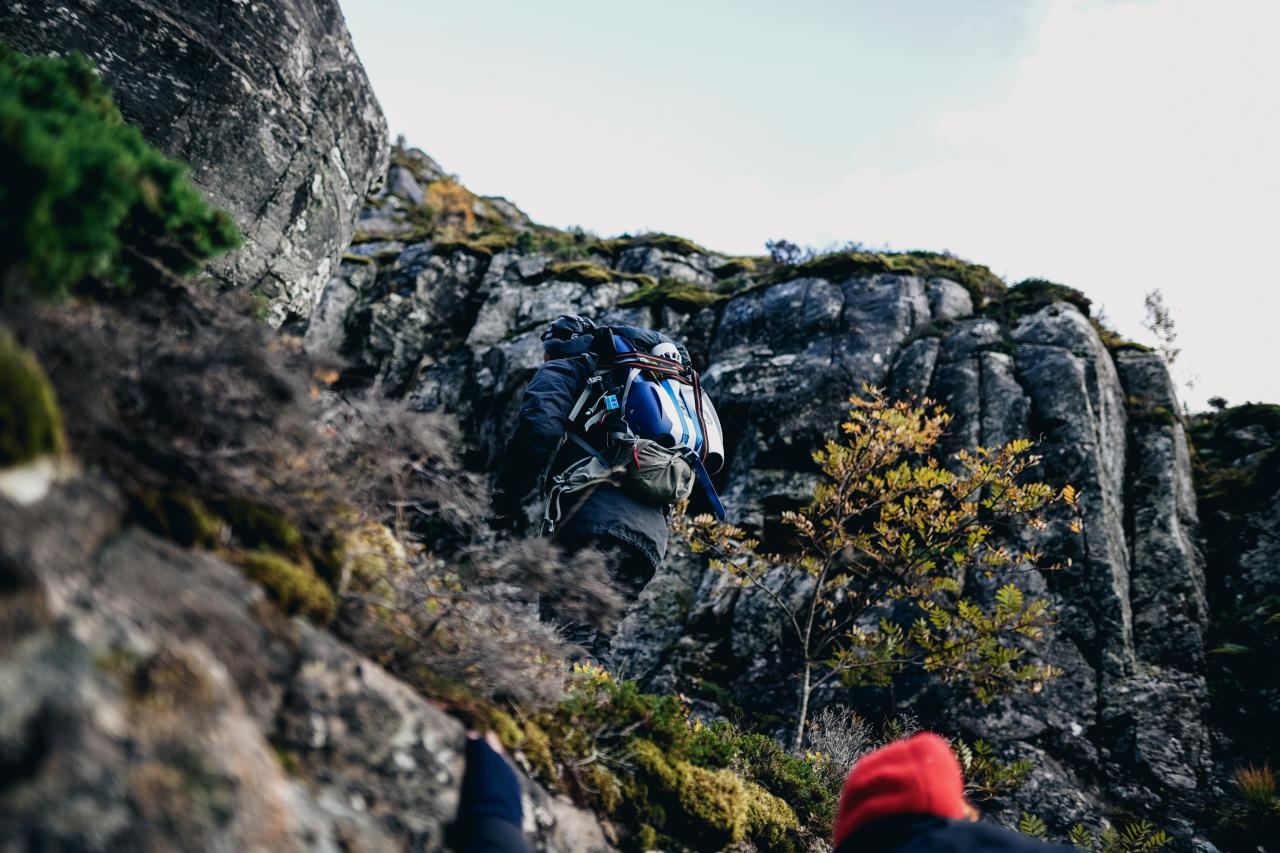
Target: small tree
[[891, 523], [1159, 322], [784, 252]]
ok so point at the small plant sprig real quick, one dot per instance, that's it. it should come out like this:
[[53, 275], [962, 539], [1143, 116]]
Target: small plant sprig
[[985, 776], [1256, 784], [1138, 837]]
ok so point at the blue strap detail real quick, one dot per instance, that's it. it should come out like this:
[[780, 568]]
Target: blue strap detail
[[587, 447], [705, 479]]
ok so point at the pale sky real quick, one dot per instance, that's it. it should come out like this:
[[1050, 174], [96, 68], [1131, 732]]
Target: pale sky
[[1112, 146]]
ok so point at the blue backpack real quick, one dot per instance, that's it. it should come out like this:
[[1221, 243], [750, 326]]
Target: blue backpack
[[647, 426]]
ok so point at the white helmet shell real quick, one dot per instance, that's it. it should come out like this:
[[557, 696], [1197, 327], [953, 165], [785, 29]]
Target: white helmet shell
[[666, 350]]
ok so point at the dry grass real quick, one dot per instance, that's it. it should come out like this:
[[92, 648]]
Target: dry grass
[[1256, 784]]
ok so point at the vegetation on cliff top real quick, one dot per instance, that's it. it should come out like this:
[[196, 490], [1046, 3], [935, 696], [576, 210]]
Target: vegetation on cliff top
[[979, 280]]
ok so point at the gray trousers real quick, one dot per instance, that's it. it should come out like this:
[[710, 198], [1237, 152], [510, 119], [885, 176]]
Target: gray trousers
[[629, 570]]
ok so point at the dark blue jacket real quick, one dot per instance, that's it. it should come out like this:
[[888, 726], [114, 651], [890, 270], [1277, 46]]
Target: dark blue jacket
[[489, 810], [916, 833], [544, 418]]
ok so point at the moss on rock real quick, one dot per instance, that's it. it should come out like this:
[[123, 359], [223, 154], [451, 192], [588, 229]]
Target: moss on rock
[[366, 560], [735, 266], [770, 821], [662, 242], [679, 294], [981, 283], [645, 838], [260, 526], [182, 517], [30, 420], [295, 586], [707, 807], [1030, 295], [603, 789], [536, 747], [582, 272]]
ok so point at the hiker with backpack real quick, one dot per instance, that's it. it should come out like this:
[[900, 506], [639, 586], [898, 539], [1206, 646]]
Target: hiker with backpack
[[616, 430]]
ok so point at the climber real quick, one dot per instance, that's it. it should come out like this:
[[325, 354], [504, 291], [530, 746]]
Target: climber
[[632, 534], [490, 816], [908, 797]]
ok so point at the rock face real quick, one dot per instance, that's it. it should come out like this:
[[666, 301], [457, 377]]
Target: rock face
[[1125, 726], [267, 102], [1238, 481], [154, 700]]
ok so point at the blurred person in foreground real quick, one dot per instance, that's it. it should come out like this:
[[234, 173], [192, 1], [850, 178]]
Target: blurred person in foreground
[[490, 816], [908, 797]]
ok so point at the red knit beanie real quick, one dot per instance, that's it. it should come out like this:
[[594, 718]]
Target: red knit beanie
[[918, 775]]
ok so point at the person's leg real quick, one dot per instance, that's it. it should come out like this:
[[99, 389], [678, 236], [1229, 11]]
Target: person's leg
[[628, 571]]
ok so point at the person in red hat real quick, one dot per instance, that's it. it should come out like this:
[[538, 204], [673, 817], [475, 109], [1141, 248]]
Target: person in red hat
[[908, 797]]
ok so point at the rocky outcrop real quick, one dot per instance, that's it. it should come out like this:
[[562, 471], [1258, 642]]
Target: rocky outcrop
[[1238, 483], [154, 700], [268, 104], [1125, 726]]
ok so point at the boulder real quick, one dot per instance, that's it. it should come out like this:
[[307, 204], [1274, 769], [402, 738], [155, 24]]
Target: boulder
[[156, 700]]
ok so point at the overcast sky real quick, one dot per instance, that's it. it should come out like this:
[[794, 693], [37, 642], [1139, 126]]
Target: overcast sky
[[1113, 146]]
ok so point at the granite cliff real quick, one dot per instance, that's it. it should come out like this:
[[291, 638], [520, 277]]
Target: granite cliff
[[1124, 727]]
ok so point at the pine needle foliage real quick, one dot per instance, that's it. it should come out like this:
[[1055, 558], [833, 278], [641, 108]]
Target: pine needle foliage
[[892, 525], [83, 196]]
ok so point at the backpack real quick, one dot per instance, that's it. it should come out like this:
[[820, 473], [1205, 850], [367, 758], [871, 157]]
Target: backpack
[[647, 426]]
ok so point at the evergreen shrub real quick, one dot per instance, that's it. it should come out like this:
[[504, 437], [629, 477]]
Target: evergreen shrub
[[83, 195]]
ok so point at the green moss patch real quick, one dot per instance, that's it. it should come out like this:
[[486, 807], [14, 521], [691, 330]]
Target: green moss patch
[[582, 272], [30, 420], [735, 266], [367, 560], [483, 245], [682, 785], [260, 526], [295, 586], [182, 517], [981, 283], [662, 242], [679, 294], [705, 807], [1030, 295]]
